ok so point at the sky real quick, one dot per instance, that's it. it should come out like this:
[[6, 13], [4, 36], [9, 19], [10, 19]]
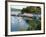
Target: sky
[[18, 6]]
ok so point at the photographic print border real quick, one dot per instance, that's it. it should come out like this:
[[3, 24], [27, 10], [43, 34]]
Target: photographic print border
[[6, 18]]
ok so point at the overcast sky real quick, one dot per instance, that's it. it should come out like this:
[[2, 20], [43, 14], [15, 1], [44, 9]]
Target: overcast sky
[[18, 6]]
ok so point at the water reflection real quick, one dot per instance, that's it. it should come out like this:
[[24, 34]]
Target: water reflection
[[18, 24]]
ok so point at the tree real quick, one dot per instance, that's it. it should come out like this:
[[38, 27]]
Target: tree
[[31, 9]]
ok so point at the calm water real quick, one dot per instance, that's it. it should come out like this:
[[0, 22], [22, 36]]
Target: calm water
[[18, 23]]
